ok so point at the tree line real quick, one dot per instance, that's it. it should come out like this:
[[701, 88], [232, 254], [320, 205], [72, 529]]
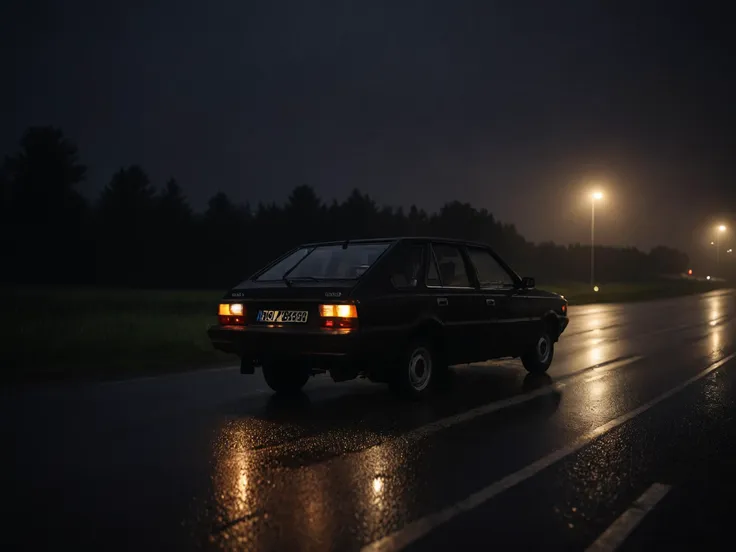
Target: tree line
[[139, 235]]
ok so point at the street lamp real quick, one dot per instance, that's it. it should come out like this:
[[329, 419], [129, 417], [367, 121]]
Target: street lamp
[[721, 230], [595, 196]]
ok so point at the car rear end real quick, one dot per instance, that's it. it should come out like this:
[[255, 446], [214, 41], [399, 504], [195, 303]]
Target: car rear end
[[309, 316], [262, 329]]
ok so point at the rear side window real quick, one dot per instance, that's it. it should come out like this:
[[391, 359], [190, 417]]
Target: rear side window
[[327, 262], [433, 275], [407, 268], [490, 273], [452, 272], [277, 271]]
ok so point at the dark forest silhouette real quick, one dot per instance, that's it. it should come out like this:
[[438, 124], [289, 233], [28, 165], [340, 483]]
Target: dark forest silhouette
[[138, 235]]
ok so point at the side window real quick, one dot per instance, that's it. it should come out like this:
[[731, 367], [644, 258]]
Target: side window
[[406, 271], [490, 273], [433, 276], [452, 266]]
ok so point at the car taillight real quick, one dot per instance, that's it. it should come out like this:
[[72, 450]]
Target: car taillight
[[231, 314], [339, 316], [338, 311]]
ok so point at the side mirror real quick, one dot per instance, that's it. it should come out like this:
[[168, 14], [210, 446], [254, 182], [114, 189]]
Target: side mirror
[[527, 282]]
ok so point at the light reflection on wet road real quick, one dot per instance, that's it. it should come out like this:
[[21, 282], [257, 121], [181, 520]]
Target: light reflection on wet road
[[212, 460]]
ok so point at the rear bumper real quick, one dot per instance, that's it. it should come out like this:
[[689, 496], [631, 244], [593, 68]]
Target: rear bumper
[[256, 344]]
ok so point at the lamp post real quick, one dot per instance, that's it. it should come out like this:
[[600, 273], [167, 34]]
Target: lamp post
[[721, 229], [595, 196]]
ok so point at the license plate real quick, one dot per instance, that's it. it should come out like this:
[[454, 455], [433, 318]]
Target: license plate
[[282, 316]]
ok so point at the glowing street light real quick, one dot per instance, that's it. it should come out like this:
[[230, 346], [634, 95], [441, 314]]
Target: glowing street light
[[595, 196], [721, 228]]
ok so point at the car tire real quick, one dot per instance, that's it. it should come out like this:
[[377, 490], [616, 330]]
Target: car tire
[[285, 377], [538, 356], [417, 370]]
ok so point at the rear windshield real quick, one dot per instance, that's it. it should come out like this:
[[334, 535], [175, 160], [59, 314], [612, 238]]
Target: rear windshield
[[326, 262]]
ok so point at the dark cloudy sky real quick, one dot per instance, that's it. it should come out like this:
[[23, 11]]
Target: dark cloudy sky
[[512, 106]]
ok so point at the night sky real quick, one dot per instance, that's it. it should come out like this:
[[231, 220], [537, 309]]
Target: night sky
[[512, 106]]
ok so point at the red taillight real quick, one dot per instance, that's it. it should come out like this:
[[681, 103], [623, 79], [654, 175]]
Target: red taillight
[[340, 324], [231, 320], [231, 314], [339, 317]]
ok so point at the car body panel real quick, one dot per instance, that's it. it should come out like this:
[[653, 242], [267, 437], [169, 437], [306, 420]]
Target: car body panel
[[469, 323]]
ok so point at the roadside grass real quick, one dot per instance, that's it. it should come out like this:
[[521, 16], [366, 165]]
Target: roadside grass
[[51, 334], [95, 334]]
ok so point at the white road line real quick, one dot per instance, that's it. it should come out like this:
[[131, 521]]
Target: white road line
[[450, 421], [616, 534], [423, 526]]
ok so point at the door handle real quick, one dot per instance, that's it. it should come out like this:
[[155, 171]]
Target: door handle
[[442, 301], [491, 302]]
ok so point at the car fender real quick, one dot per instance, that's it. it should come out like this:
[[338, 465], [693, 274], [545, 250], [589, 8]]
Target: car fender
[[552, 319]]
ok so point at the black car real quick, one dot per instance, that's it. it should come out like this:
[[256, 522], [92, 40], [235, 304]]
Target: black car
[[394, 310]]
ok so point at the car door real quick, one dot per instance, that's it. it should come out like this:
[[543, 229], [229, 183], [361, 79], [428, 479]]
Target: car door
[[449, 277], [503, 306], [394, 300]]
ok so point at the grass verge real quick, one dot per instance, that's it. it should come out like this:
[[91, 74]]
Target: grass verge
[[83, 334], [52, 334]]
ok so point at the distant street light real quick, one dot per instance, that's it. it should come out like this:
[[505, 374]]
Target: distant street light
[[721, 230], [595, 196]]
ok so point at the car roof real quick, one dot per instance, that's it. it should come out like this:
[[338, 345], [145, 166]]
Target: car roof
[[398, 239]]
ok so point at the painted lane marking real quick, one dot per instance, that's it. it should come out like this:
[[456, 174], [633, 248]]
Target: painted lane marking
[[613, 537], [444, 423], [423, 526], [450, 421]]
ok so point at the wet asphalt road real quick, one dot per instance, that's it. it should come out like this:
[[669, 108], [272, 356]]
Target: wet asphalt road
[[211, 460]]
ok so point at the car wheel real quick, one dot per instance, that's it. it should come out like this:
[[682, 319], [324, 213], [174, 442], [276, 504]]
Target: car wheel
[[285, 377], [417, 370], [538, 356]]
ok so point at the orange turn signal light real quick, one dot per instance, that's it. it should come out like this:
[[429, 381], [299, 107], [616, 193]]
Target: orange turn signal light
[[231, 314], [338, 311], [231, 309]]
